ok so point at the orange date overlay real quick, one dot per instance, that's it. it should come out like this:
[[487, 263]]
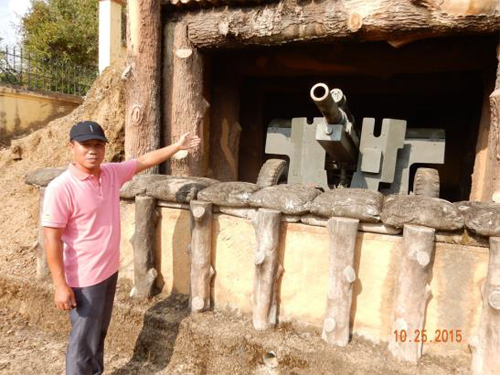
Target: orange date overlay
[[421, 335]]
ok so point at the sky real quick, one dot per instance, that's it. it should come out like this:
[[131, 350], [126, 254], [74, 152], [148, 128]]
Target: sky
[[10, 13]]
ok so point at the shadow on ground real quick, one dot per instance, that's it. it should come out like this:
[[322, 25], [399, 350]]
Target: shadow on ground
[[155, 344]]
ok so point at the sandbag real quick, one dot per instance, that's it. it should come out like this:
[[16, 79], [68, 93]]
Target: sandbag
[[42, 176], [291, 199], [139, 184], [362, 204], [178, 189], [420, 210], [228, 194], [482, 218]]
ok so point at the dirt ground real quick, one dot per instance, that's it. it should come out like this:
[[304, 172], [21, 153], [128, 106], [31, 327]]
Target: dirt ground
[[161, 337], [156, 336]]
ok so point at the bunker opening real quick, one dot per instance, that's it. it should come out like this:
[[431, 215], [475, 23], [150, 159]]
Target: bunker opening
[[440, 84]]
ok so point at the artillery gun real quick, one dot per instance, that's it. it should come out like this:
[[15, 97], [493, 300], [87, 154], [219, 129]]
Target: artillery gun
[[331, 150]]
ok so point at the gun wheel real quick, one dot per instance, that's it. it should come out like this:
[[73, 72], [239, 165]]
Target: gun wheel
[[272, 172], [426, 182]]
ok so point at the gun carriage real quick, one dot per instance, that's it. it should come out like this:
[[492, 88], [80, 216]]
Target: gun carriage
[[332, 151]]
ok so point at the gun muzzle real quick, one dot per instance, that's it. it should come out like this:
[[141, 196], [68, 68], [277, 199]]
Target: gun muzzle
[[323, 98]]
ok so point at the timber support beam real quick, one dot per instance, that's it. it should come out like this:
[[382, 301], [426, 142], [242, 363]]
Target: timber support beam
[[342, 233], [142, 76], [412, 291], [396, 21], [143, 242], [267, 269], [202, 271], [186, 109], [486, 345]]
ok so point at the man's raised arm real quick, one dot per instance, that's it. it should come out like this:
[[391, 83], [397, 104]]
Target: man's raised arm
[[155, 157]]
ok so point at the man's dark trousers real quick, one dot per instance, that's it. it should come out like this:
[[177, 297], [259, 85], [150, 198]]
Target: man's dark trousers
[[90, 320]]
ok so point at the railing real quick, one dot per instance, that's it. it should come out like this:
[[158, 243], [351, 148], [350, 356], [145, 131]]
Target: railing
[[35, 73]]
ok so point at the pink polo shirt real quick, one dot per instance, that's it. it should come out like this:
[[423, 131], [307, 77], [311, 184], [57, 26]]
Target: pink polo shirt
[[89, 210]]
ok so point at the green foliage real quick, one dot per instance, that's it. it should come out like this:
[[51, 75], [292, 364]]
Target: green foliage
[[66, 30]]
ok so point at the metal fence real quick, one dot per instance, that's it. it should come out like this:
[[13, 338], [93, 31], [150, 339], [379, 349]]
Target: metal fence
[[28, 70]]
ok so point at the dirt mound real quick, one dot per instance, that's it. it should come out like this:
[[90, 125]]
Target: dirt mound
[[47, 147]]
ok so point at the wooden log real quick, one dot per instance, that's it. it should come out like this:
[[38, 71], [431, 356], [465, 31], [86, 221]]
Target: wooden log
[[412, 291], [486, 345], [225, 129], [480, 176], [180, 206], [42, 268], [493, 161], [492, 182], [486, 176], [245, 213], [142, 86], [202, 271], [342, 232], [143, 242], [186, 109], [298, 21], [267, 269]]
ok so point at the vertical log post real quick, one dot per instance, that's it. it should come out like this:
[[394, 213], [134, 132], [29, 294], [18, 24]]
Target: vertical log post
[[143, 242], [486, 345], [267, 269], [342, 232], [186, 109], [201, 251], [413, 291], [42, 268], [492, 182], [486, 177], [226, 129], [142, 118]]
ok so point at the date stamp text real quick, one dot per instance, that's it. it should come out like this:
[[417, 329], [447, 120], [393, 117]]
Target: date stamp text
[[421, 335]]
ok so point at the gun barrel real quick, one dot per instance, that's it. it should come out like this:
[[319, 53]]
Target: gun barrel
[[320, 94]]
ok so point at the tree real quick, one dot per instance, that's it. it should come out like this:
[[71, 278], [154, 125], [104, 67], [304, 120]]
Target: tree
[[62, 29]]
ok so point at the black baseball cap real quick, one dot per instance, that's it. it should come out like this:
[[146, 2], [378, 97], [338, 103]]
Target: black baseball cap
[[85, 131]]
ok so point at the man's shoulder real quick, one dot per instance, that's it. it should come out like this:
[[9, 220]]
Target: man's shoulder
[[60, 182], [120, 169], [118, 164]]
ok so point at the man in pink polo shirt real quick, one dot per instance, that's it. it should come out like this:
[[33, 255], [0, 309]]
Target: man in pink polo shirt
[[81, 219]]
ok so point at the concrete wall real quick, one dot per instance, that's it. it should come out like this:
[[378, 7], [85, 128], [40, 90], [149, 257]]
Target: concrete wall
[[111, 47], [22, 110], [457, 275]]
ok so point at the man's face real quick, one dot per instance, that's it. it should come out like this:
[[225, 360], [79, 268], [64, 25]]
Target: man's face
[[88, 154]]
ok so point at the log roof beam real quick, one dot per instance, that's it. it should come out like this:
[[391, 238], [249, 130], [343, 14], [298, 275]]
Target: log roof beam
[[291, 21]]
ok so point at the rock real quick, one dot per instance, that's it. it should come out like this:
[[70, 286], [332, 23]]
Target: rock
[[420, 210], [362, 204], [290, 199], [139, 184], [16, 151], [228, 194], [178, 189], [42, 176], [482, 218]]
